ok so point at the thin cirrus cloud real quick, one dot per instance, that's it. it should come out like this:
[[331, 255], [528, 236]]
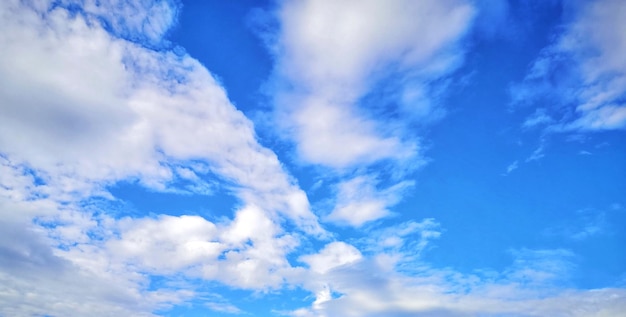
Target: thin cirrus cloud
[[360, 201]]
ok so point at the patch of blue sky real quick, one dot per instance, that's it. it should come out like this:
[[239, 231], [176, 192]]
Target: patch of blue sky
[[142, 201]]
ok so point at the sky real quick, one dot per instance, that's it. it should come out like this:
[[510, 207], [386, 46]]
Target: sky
[[313, 158]]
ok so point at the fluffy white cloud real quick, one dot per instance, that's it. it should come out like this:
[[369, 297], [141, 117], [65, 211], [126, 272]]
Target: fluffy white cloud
[[84, 108], [333, 255], [359, 201], [331, 59]]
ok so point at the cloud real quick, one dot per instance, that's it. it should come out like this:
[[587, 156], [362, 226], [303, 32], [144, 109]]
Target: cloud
[[223, 307], [582, 72], [331, 54], [39, 278], [94, 97], [85, 106], [333, 255], [350, 79], [513, 166], [107, 109], [584, 224], [537, 119], [359, 201], [538, 153], [526, 288]]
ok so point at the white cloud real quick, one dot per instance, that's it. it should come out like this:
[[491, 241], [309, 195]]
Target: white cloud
[[537, 154], [106, 109], [136, 20], [407, 239], [223, 308], [168, 244], [331, 59], [331, 54], [584, 68], [359, 201], [83, 109], [538, 118], [525, 289], [333, 255], [36, 278]]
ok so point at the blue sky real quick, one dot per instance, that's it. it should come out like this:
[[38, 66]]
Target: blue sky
[[312, 158]]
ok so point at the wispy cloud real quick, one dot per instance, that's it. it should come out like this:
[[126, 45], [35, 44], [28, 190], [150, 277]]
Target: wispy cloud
[[360, 201], [331, 55], [331, 59], [582, 225], [526, 288], [588, 96], [513, 166]]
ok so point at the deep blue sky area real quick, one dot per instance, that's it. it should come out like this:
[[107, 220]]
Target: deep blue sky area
[[313, 158], [220, 35]]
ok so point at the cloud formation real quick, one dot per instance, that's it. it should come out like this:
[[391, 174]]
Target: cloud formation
[[88, 105], [331, 54], [588, 96], [93, 96], [330, 57]]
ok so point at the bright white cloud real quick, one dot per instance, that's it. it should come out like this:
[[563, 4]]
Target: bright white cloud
[[359, 201], [513, 166], [107, 109], [168, 243], [333, 255], [82, 109]]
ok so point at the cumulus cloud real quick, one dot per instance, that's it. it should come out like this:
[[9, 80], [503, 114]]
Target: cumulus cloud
[[89, 101]]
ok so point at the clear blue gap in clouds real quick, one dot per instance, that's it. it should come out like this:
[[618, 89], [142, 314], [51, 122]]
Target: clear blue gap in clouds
[[220, 35]]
